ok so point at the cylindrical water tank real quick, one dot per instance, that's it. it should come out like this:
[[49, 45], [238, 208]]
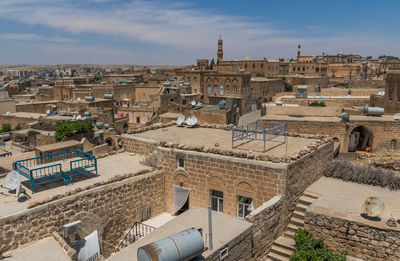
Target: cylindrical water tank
[[345, 116], [106, 126], [89, 98], [87, 114], [99, 125], [108, 96], [167, 84], [6, 136], [182, 246], [373, 111]]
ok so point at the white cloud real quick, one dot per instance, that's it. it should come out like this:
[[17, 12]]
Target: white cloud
[[34, 37]]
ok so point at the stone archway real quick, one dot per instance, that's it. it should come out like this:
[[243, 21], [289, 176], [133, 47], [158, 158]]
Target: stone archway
[[360, 139]]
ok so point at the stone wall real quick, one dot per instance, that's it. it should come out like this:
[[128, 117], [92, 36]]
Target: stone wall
[[362, 240], [305, 171], [233, 176], [329, 102], [268, 222], [304, 111], [239, 248], [14, 121], [111, 209], [138, 145], [7, 106]]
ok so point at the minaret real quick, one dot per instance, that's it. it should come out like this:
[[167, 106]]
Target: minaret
[[298, 51], [220, 53]]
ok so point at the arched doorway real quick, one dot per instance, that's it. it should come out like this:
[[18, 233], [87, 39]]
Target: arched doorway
[[109, 141], [360, 139]]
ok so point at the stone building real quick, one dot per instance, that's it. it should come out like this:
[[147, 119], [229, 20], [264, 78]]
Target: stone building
[[220, 86], [390, 101]]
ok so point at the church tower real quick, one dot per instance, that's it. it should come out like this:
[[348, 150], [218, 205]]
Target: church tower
[[298, 51], [220, 53]]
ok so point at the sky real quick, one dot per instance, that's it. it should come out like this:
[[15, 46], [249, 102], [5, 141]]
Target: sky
[[179, 32]]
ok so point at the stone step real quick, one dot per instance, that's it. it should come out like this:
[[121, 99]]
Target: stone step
[[285, 242], [292, 227], [289, 234], [299, 214], [277, 257], [305, 200], [310, 194], [301, 207], [281, 251], [297, 221]]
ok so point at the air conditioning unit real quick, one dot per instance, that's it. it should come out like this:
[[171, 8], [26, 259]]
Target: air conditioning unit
[[72, 228]]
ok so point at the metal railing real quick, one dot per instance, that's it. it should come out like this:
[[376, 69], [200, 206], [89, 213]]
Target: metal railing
[[137, 231], [259, 130]]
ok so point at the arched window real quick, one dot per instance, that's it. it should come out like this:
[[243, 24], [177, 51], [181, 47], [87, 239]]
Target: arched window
[[317, 69], [221, 90], [209, 89], [234, 89], [215, 89], [228, 89], [335, 139], [254, 66], [393, 144]]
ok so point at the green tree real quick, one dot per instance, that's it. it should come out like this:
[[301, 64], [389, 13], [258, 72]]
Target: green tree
[[5, 127], [70, 128]]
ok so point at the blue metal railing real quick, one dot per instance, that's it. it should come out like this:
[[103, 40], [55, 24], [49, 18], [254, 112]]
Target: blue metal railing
[[37, 174], [259, 130]]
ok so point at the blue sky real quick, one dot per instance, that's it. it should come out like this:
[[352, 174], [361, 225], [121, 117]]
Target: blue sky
[[179, 32]]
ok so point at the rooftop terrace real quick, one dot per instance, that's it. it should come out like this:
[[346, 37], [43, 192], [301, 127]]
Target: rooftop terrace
[[225, 228], [222, 139], [108, 167]]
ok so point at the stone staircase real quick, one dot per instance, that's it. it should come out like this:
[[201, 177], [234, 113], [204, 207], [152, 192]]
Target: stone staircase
[[283, 247]]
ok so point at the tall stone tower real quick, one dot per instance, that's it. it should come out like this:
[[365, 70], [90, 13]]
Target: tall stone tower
[[298, 51], [220, 53]]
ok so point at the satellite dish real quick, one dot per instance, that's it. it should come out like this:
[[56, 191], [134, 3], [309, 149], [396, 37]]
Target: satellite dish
[[78, 117], [8, 113], [373, 207], [13, 180], [193, 103], [199, 104], [180, 120], [78, 99], [396, 116], [48, 112], [191, 121], [18, 190], [74, 117]]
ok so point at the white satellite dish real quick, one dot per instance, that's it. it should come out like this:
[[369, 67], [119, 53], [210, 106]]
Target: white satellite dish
[[193, 103], [78, 117], [191, 121], [74, 117], [396, 116], [47, 112], [8, 113], [78, 99], [180, 120], [199, 104], [13, 181]]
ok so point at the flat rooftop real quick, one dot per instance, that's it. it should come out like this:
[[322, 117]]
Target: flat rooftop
[[51, 250], [345, 200], [225, 228], [383, 118], [209, 137], [108, 167]]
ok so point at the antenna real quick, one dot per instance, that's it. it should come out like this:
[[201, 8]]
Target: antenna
[[180, 120], [191, 122], [373, 207]]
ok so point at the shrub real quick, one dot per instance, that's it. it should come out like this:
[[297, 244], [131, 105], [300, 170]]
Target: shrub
[[71, 128], [363, 174], [309, 248], [5, 127], [317, 104]]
